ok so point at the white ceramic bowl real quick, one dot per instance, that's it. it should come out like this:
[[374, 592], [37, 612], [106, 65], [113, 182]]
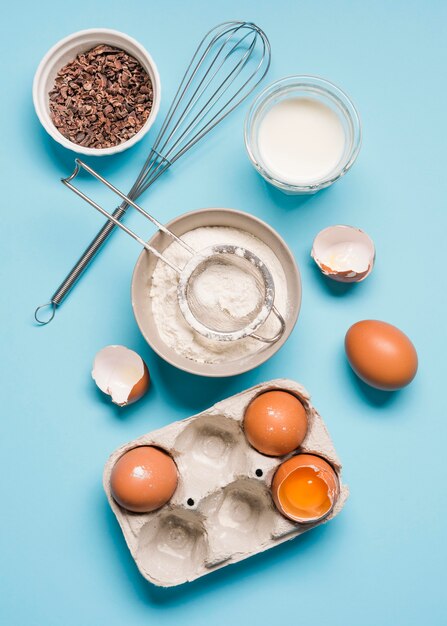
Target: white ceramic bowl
[[144, 269], [66, 50]]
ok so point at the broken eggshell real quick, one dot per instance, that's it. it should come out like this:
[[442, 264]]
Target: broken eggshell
[[344, 253], [320, 471], [121, 373]]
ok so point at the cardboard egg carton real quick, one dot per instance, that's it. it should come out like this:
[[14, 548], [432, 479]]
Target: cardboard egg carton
[[222, 510]]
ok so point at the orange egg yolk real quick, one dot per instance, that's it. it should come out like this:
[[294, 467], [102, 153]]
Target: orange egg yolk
[[304, 495]]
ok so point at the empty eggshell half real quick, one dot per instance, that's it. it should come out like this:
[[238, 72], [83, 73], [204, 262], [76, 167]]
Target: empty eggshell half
[[121, 373], [344, 253]]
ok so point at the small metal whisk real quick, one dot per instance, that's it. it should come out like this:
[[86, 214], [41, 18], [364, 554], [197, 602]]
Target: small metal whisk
[[229, 63]]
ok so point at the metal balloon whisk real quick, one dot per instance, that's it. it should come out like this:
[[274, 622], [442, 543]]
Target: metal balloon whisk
[[229, 63]]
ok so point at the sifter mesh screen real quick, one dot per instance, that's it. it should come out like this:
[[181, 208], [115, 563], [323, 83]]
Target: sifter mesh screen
[[226, 291]]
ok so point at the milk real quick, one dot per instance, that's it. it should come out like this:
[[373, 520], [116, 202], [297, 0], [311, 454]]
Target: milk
[[301, 141]]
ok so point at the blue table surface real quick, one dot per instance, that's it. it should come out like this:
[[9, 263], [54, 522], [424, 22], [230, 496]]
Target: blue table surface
[[381, 562]]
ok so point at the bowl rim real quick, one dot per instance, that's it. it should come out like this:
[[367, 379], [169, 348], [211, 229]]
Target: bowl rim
[[304, 80], [249, 362], [57, 135]]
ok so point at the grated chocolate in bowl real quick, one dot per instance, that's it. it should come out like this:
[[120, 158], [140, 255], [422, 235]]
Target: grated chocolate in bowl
[[102, 98]]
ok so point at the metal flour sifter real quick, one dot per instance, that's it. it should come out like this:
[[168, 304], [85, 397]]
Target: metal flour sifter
[[210, 319]]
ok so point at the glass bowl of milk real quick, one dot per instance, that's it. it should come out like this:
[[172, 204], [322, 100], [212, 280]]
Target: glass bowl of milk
[[302, 133]]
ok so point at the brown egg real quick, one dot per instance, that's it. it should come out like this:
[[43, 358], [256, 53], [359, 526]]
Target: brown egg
[[381, 354], [275, 423], [143, 479], [305, 488]]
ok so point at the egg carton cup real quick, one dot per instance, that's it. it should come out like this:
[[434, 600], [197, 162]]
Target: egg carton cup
[[222, 510]]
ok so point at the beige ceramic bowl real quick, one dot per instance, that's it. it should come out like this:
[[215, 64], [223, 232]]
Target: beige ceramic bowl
[[141, 284]]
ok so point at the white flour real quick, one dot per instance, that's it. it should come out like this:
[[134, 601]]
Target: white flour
[[227, 288], [214, 284]]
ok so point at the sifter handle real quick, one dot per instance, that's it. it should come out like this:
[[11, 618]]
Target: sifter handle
[[278, 334]]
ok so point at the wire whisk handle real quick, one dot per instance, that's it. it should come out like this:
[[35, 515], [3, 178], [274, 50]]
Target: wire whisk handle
[[86, 257]]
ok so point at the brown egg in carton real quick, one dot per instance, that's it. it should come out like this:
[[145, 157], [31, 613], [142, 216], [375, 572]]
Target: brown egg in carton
[[222, 510]]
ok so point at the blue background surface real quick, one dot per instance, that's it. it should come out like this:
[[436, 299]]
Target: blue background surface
[[382, 561]]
